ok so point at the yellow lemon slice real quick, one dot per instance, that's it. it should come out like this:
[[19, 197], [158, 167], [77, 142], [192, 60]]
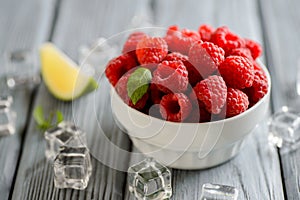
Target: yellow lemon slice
[[62, 76]]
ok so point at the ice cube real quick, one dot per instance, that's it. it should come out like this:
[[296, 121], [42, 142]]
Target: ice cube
[[5, 101], [22, 69], [150, 180], [65, 133], [218, 192], [7, 124], [284, 128], [72, 168]]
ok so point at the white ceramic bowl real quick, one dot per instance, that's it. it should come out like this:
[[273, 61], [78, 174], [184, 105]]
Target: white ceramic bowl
[[189, 145]]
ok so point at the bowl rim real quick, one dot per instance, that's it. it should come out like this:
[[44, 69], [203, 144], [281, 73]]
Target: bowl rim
[[226, 120]]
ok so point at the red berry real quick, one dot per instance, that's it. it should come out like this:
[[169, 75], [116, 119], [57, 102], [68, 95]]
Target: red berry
[[175, 107], [175, 56], [259, 87], [227, 40], [181, 40], [205, 116], [193, 74], [131, 42], [237, 71], [256, 66], [121, 89], [245, 52], [172, 30], [151, 50], [237, 102], [118, 66], [155, 94], [205, 32], [254, 47], [206, 57], [171, 76], [151, 66], [220, 116], [212, 91], [199, 112]]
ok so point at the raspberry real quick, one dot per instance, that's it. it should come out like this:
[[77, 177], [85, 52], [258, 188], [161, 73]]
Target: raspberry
[[254, 47], [245, 52], [227, 40], [212, 91], [121, 88], [151, 66], [173, 30], [155, 94], [237, 71], [205, 116], [206, 57], [131, 42], [193, 74], [220, 116], [198, 113], [181, 41], [237, 102], [118, 66], [175, 107], [259, 87], [205, 32], [171, 76], [256, 66], [175, 56], [151, 50]]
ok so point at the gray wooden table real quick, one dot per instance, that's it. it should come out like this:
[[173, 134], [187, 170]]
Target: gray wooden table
[[259, 171]]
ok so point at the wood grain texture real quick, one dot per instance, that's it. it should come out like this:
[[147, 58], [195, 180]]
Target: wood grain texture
[[79, 22], [252, 171], [283, 52], [282, 48], [20, 29], [255, 171]]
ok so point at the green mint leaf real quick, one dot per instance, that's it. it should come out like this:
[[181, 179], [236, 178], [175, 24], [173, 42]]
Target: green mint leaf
[[50, 117], [138, 84], [59, 117], [46, 123], [38, 115]]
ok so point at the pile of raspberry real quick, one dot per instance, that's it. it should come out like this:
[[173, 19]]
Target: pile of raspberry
[[197, 76]]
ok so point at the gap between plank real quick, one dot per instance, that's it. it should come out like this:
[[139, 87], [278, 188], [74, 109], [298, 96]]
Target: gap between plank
[[23, 135], [268, 56], [32, 98], [54, 19], [152, 7]]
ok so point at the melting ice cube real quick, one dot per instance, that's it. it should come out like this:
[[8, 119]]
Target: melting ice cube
[[284, 128], [72, 168], [22, 69], [218, 192], [65, 133], [150, 180]]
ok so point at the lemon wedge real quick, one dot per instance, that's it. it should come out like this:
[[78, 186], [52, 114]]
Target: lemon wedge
[[62, 76]]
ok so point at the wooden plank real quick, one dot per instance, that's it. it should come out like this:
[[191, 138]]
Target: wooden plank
[[281, 21], [79, 22], [20, 29], [281, 26], [256, 170]]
